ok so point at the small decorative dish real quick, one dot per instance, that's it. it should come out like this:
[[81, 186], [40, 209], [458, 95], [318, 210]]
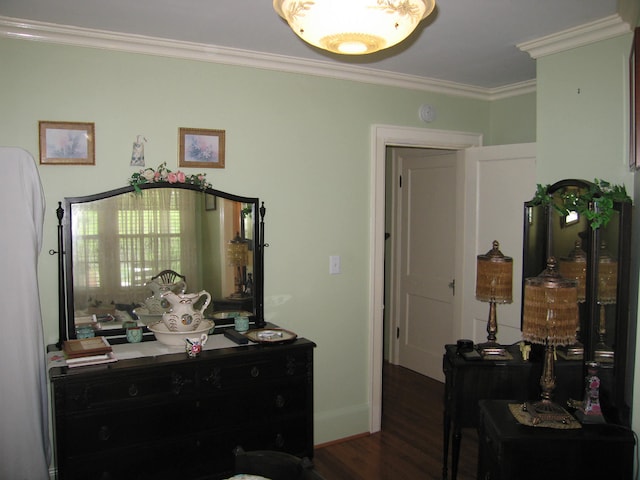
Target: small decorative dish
[[271, 335]]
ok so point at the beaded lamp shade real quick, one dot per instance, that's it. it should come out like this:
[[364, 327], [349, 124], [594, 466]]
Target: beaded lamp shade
[[494, 281], [550, 315], [494, 278], [607, 277], [574, 266], [237, 252]]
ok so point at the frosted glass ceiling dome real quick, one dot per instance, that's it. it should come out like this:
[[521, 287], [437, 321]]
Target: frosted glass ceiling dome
[[353, 27]]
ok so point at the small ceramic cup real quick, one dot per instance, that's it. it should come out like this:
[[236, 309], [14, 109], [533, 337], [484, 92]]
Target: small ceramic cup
[[85, 331], [129, 324], [193, 346], [241, 324], [134, 334]]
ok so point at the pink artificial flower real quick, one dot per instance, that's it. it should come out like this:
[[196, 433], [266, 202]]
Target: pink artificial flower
[[156, 176], [181, 176], [172, 178]]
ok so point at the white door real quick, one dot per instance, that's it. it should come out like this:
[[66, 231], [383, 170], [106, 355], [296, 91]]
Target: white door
[[498, 180], [424, 244]]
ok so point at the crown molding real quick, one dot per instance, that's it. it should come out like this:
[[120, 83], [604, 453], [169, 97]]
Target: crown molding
[[592, 32], [512, 90], [83, 37]]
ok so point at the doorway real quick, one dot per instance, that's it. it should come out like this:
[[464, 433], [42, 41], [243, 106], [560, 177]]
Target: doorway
[[421, 210], [383, 136], [508, 169]]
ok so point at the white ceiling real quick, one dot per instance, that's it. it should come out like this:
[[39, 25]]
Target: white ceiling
[[468, 42]]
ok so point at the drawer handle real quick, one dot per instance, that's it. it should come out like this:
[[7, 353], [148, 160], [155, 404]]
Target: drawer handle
[[291, 365], [133, 390], [177, 382], [255, 372], [104, 433]]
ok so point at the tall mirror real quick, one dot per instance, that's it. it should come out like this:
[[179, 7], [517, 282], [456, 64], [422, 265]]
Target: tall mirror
[[597, 256], [123, 248]]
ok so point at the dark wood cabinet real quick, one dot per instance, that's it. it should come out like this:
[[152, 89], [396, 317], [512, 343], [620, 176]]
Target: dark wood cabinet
[[508, 450], [468, 382], [170, 416]]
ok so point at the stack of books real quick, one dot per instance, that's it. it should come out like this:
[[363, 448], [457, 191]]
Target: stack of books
[[88, 351]]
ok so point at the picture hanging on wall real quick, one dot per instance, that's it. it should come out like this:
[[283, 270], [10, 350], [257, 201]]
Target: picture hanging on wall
[[67, 143], [201, 148]]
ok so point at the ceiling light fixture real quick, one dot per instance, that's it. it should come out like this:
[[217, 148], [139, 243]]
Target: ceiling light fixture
[[354, 27]]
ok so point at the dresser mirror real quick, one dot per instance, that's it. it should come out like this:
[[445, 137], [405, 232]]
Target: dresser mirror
[[116, 242], [598, 259]]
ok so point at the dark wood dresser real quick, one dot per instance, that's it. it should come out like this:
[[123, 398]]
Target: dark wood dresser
[[169, 416]]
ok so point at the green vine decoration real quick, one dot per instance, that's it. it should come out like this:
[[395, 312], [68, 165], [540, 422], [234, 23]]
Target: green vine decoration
[[595, 204]]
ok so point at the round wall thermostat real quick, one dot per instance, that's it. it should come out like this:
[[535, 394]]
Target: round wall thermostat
[[427, 113]]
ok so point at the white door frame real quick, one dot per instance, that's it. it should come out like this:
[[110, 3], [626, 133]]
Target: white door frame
[[383, 136]]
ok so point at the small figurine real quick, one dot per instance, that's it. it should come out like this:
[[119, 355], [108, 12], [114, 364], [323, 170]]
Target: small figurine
[[137, 155]]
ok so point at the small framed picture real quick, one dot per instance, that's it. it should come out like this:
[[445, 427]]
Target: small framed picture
[[201, 148], [67, 143], [210, 202]]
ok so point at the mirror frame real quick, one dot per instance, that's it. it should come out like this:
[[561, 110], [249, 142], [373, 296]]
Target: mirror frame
[[66, 311]]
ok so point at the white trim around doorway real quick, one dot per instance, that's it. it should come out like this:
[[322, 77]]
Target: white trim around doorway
[[383, 136]]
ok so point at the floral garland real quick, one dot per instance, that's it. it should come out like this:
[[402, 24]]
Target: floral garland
[[163, 175]]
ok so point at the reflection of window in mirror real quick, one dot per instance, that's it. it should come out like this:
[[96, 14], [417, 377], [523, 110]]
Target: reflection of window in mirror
[[570, 218]]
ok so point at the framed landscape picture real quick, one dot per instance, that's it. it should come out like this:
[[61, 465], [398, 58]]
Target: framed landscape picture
[[201, 148], [67, 143]]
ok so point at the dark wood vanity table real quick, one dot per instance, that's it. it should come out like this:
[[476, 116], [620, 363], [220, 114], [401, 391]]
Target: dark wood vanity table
[[555, 227], [508, 450], [171, 416]]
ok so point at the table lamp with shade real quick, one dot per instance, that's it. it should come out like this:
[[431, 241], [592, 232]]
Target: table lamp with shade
[[237, 257], [550, 318], [607, 295], [574, 266], [494, 284]]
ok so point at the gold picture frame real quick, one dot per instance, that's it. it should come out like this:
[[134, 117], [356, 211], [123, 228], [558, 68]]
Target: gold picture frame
[[67, 143], [201, 148]]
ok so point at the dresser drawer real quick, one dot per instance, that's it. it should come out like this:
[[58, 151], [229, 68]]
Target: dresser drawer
[[185, 457], [106, 391], [244, 407], [215, 376], [110, 429]]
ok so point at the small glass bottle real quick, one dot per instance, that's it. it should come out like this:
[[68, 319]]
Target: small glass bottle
[[591, 410]]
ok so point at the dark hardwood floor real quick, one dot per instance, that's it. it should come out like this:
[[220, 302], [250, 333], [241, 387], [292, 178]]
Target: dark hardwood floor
[[410, 443]]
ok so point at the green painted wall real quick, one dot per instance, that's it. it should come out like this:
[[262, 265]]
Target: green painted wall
[[513, 120], [582, 113], [300, 143]]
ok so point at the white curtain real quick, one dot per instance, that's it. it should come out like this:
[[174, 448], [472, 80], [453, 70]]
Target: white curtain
[[24, 436], [121, 242]]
